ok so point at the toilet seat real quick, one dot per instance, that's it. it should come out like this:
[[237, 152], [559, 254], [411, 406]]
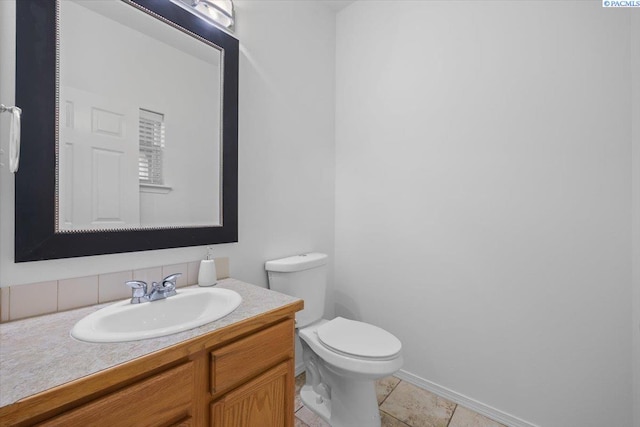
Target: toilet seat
[[349, 365], [358, 339]]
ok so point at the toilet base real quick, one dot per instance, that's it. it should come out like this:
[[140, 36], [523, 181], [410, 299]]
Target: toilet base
[[352, 404], [339, 388], [316, 403]]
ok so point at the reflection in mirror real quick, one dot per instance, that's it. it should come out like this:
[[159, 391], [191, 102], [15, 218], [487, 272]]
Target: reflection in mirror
[[139, 121], [102, 132]]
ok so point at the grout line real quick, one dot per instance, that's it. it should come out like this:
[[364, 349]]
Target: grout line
[[452, 414], [397, 419], [300, 421], [389, 394]]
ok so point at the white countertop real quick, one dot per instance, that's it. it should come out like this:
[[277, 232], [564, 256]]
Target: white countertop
[[39, 353]]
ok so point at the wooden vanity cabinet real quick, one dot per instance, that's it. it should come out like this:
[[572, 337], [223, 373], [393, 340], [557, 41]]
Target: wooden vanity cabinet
[[241, 376]]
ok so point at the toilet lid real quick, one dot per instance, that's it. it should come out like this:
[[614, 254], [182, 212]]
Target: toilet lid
[[358, 339]]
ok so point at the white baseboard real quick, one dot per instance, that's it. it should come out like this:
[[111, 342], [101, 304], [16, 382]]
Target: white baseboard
[[299, 368], [467, 402]]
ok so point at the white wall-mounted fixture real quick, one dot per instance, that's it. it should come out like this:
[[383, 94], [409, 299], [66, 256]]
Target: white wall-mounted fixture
[[218, 12], [14, 136]]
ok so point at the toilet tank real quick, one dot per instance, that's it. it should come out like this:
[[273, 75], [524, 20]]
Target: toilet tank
[[303, 276]]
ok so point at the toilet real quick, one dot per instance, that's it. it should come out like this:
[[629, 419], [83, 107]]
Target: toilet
[[343, 358]]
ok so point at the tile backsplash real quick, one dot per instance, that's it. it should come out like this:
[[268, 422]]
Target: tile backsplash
[[35, 299]]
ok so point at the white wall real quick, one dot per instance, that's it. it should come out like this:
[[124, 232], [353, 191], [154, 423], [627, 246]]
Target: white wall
[[286, 148], [483, 209], [635, 129], [287, 104]]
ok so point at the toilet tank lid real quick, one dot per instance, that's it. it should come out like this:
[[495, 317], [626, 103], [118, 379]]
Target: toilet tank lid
[[297, 262]]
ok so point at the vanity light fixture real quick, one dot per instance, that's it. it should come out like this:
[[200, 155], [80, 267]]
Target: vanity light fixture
[[218, 12]]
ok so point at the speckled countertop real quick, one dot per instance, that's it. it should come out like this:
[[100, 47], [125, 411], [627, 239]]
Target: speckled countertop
[[37, 354]]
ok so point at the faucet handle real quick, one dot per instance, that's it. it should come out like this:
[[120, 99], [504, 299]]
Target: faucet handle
[[139, 290], [171, 280]]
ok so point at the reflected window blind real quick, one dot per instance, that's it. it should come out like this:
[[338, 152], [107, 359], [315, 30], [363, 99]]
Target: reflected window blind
[[151, 134]]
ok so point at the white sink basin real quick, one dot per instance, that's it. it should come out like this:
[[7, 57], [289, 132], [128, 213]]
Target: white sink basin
[[188, 309]]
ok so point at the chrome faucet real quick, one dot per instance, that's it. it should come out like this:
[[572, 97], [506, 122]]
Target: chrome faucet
[[158, 291]]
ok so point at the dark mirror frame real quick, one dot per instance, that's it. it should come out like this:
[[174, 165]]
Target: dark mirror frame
[[35, 182]]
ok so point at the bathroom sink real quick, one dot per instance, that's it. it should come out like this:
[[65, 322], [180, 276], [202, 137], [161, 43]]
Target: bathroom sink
[[123, 321]]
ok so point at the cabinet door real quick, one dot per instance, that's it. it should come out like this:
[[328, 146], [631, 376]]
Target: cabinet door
[[163, 399], [266, 401]]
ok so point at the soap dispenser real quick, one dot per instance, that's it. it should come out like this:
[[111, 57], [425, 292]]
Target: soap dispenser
[[207, 275]]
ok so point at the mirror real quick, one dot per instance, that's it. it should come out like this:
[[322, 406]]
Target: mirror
[[137, 144], [129, 135]]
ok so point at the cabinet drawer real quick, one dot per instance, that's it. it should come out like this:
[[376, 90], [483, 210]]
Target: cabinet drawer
[[163, 399], [248, 357]]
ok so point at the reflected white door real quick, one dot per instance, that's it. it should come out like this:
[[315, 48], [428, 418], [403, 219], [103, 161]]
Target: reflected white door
[[98, 162]]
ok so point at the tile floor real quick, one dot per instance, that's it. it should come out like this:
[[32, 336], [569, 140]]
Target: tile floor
[[404, 405]]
